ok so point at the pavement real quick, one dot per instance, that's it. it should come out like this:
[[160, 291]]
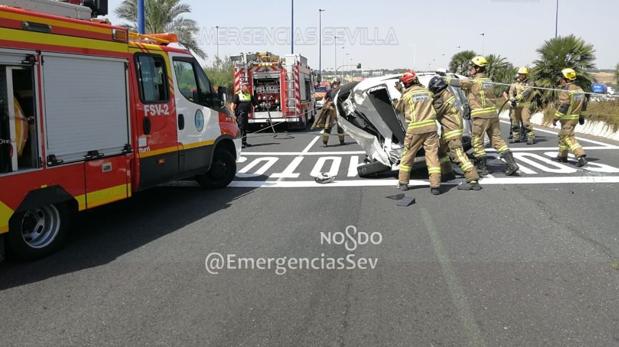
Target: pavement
[[530, 260]]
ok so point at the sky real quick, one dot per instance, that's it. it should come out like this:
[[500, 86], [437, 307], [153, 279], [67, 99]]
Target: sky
[[402, 33]]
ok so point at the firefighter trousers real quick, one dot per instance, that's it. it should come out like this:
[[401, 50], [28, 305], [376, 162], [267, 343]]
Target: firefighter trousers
[[490, 126], [327, 133], [412, 144], [522, 115], [567, 140], [451, 150]]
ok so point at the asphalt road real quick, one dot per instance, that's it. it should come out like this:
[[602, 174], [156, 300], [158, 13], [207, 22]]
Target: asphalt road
[[528, 261]]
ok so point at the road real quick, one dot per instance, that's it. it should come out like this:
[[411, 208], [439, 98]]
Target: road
[[530, 260]]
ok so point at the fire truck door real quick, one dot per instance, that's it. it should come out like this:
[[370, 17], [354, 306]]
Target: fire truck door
[[198, 123]]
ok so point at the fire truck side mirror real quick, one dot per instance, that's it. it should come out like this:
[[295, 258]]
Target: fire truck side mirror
[[147, 126]]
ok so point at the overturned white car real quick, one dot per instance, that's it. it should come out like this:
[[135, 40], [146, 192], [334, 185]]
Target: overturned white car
[[366, 113]]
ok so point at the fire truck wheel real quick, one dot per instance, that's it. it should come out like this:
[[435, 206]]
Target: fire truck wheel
[[38, 232], [222, 170]]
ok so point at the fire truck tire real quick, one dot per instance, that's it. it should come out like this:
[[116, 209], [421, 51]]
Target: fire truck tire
[[222, 172], [38, 232]]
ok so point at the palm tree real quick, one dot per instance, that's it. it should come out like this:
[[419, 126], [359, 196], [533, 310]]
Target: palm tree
[[164, 16], [499, 69], [557, 54], [460, 62]]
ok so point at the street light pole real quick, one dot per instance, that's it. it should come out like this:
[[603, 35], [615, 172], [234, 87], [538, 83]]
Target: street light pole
[[141, 18], [217, 27], [320, 11], [557, 21], [292, 28], [483, 43], [335, 64]]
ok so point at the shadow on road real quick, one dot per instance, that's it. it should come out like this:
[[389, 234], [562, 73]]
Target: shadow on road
[[102, 235]]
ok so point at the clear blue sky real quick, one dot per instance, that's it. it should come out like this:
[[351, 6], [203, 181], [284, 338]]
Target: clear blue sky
[[423, 33]]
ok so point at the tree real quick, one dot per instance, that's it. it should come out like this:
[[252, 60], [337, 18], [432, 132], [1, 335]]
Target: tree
[[460, 62], [164, 16], [560, 53], [500, 70], [617, 74], [221, 73]]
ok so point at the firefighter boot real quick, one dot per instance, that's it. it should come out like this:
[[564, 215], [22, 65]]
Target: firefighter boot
[[473, 185], [562, 159], [403, 187], [582, 161], [435, 191], [482, 167], [512, 167]]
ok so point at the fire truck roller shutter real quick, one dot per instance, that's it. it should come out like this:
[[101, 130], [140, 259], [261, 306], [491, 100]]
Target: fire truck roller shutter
[[85, 106]]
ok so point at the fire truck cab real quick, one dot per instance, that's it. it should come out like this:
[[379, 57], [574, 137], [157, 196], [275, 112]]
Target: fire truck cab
[[91, 114]]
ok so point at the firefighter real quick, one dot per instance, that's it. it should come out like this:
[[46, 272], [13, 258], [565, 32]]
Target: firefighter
[[479, 90], [242, 106], [416, 105], [327, 120], [571, 103], [520, 97], [451, 140]]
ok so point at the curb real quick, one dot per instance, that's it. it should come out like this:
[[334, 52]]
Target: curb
[[591, 127]]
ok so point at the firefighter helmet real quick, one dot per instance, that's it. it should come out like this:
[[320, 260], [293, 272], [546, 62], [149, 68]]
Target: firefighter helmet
[[523, 70], [479, 61], [437, 84], [569, 74], [408, 78]]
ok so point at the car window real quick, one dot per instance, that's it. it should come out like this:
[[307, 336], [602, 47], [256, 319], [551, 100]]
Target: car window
[[152, 78], [186, 79]]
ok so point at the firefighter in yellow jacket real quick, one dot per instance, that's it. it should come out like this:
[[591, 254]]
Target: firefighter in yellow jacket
[[451, 140], [479, 90], [571, 103], [327, 120], [416, 104], [520, 96]]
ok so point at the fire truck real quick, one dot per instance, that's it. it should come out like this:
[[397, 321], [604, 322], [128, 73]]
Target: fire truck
[[91, 113], [283, 87]]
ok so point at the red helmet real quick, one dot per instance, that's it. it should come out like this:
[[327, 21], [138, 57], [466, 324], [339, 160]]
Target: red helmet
[[408, 78]]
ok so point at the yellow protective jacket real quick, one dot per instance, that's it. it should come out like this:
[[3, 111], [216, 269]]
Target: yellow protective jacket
[[480, 93], [448, 115], [571, 103], [522, 92], [327, 118], [416, 104]]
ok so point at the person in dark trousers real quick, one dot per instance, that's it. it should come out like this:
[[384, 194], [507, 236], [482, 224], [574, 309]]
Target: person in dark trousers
[[243, 104]]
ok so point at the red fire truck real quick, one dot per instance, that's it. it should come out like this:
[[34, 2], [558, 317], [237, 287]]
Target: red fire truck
[[91, 114], [283, 87]]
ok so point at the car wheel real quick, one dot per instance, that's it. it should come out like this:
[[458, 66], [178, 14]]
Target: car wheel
[[372, 169], [222, 172], [38, 232]]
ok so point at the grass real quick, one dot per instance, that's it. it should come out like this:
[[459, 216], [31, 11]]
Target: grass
[[606, 111]]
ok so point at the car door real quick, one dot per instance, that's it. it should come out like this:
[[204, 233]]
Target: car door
[[198, 122]]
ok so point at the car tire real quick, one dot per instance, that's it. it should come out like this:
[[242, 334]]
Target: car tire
[[222, 172], [38, 232], [372, 169]]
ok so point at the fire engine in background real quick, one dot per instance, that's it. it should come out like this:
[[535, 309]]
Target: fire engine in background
[[91, 114], [283, 87]]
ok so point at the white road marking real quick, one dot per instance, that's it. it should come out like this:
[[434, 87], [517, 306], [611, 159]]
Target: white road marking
[[422, 183], [489, 150], [333, 171], [352, 167], [268, 163], [289, 172], [546, 164], [537, 128], [311, 144], [591, 166]]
